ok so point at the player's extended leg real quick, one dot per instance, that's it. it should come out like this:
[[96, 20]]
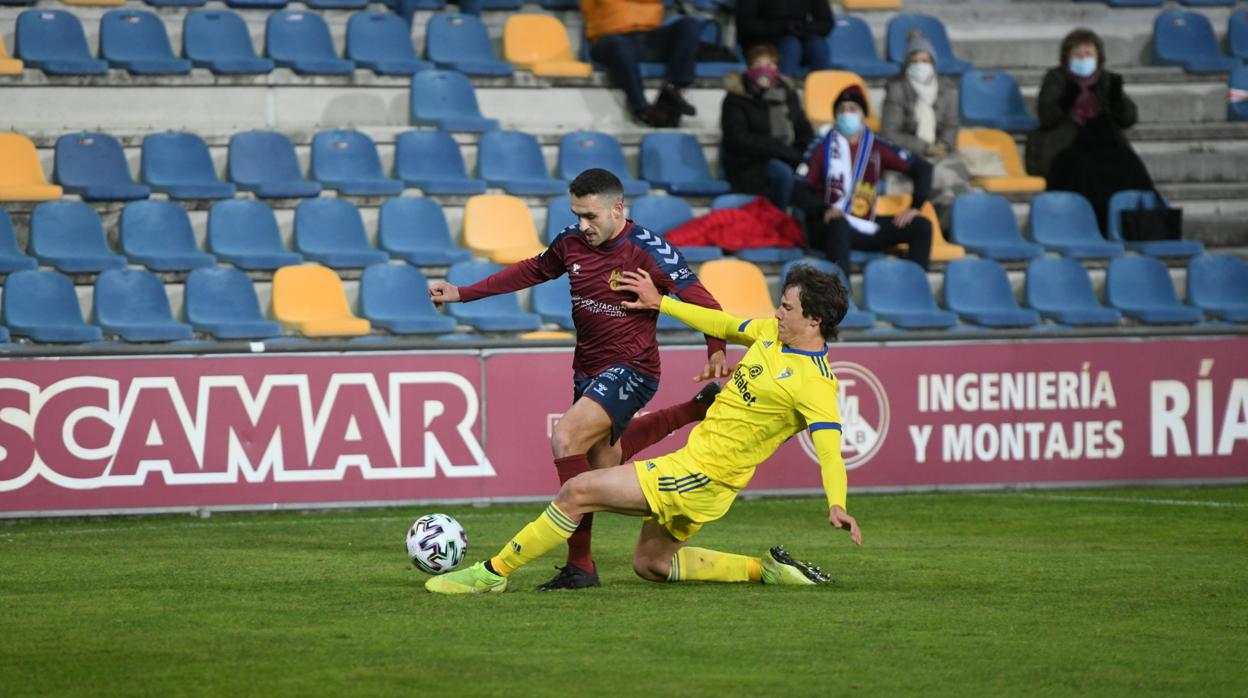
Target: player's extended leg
[[649, 429], [660, 557], [579, 436]]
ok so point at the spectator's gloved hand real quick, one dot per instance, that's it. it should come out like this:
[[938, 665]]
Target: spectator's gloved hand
[[1115, 89], [1066, 101]]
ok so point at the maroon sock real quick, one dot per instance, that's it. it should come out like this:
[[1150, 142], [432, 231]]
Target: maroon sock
[[652, 428], [579, 551]]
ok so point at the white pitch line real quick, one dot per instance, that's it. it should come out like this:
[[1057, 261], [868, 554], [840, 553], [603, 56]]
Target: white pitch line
[[1133, 500]]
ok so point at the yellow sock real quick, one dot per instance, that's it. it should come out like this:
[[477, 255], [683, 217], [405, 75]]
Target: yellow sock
[[543, 534], [702, 565]]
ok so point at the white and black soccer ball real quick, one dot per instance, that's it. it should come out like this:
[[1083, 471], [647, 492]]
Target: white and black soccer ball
[[436, 543]]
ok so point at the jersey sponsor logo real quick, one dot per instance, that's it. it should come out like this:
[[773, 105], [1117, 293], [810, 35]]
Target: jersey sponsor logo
[[864, 414], [756, 371], [681, 274], [741, 381]]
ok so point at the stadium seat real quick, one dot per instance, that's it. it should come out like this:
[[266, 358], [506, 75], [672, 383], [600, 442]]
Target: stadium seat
[[553, 301], [1064, 223], [93, 166], [347, 161], [942, 249], [979, 291], [756, 255], [1218, 284], [43, 306], [1134, 3], [95, 3], [1187, 39], [501, 228], [265, 163], [176, 3], [15, 3], [731, 201], [131, 303], [871, 4], [712, 34], [900, 26], [582, 150], [896, 290], [820, 90], [1130, 200], [21, 175], [310, 300], [396, 297], [415, 231], [8, 64], [301, 41], [985, 225], [158, 235], [513, 162], [244, 233], [179, 164], [1237, 95], [1059, 288], [431, 161], [992, 99], [68, 235], [739, 286], [674, 162], [461, 42], [500, 313], [1207, 3], [382, 43], [1015, 178], [855, 317], [257, 4], [336, 4], [53, 41], [851, 48], [1141, 288], [558, 217], [663, 213], [222, 302], [446, 99], [135, 40], [331, 231], [539, 44], [219, 41], [11, 256], [1237, 35], [560, 4]]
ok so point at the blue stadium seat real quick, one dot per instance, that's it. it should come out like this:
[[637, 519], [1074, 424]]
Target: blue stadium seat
[[158, 235], [1237, 35], [68, 235], [135, 40], [382, 42], [558, 217], [431, 161], [582, 150], [731, 201], [219, 41], [407, 8], [560, 4], [11, 256], [984, 224], [932, 28], [896, 290], [712, 34], [43, 306], [1064, 222], [179, 164], [132, 304], [1141, 288], [53, 41], [979, 291], [331, 231], [257, 4], [662, 213], [396, 297], [855, 318], [1237, 104], [993, 99], [347, 161], [1218, 284], [494, 314], [447, 100], [851, 47], [176, 3], [301, 41], [415, 231], [553, 301], [336, 4], [1059, 288], [674, 162], [16, 3], [461, 42], [265, 163], [1130, 200], [1207, 3], [512, 161], [1135, 3], [93, 166], [244, 233], [757, 255], [222, 302], [1187, 39]]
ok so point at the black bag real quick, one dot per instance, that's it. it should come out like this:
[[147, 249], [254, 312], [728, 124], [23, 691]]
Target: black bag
[[1152, 224]]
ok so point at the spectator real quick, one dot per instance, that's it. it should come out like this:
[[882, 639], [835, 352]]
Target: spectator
[[1080, 145], [765, 128], [798, 28], [625, 33]]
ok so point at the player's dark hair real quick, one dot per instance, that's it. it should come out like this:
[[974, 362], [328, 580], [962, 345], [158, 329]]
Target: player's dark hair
[[596, 181], [824, 297]]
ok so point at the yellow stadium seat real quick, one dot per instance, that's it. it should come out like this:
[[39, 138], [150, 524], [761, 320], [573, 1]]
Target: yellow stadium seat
[[539, 43], [942, 249], [871, 4], [1001, 143], [822, 86], [21, 177], [740, 288], [309, 298], [8, 65], [548, 334], [500, 227]]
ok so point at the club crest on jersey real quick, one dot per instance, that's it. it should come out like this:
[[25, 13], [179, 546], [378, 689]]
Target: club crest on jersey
[[787, 372], [614, 279], [576, 269]]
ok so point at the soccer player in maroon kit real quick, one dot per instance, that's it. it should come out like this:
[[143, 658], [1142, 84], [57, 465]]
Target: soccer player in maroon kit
[[616, 362]]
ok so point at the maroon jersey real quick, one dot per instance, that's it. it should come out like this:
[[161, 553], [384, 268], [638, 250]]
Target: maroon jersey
[[606, 333]]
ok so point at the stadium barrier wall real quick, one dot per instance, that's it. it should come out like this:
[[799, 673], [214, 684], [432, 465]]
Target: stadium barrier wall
[[130, 435]]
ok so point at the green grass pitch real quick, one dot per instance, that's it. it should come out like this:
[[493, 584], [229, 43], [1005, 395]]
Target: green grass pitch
[[1099, 592]]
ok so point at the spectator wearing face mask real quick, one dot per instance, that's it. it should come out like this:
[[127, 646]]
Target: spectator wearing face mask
[[797, 28], [1080, 145]]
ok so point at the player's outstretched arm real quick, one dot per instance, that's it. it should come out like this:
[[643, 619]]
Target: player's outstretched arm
[[443, 292], [827, 441], [715, 323]]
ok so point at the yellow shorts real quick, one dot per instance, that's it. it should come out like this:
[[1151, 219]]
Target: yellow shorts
[[680, 495]]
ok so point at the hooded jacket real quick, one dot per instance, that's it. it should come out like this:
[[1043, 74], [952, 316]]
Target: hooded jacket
[[747, 141]]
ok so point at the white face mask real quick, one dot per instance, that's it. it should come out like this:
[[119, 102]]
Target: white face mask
[[920, 72]]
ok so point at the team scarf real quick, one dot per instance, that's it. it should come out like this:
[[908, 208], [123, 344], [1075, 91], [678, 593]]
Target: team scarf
[[840, 166]]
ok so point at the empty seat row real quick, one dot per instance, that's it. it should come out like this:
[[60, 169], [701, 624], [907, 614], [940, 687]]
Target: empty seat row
[[1187, 39]]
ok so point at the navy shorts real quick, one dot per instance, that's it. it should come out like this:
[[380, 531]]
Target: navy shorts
[[621, 390]]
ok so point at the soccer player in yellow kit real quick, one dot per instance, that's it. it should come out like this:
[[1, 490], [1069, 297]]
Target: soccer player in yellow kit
[[781, 386]]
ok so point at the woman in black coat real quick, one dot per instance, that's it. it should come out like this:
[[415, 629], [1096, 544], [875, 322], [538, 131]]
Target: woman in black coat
[[797, 28]]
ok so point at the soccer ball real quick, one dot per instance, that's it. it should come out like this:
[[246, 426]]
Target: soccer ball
[[436, 543]]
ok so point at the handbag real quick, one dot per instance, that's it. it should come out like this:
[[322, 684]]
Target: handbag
[[1159, 222]]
